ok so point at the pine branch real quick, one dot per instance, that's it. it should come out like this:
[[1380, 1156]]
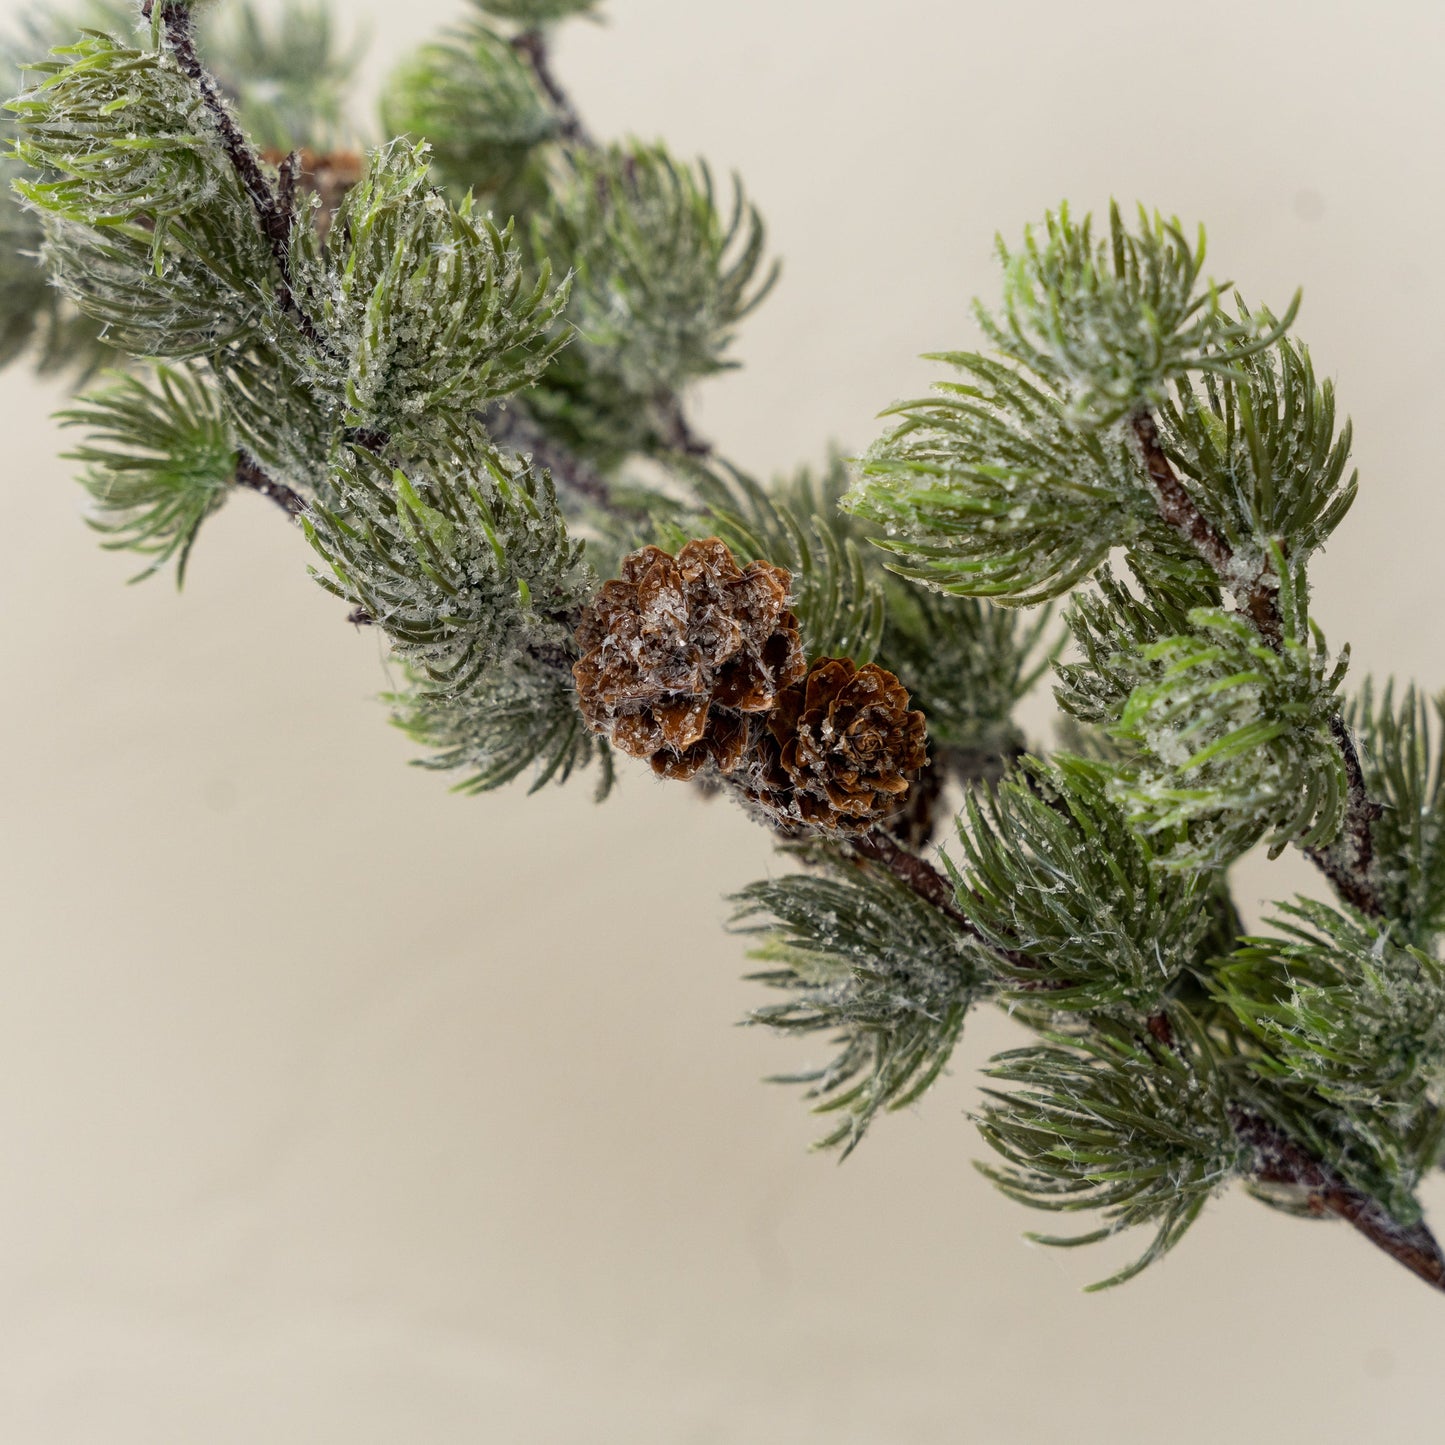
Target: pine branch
[[1178, 508], [1280, 1161], [275, 217], [1348, 868]]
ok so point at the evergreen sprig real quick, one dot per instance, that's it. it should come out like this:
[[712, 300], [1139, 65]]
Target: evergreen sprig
[[662, 276], [1404, 770], [1111, 628], [477, 103], [147, 229], [1262, 448], [987, 489], [1135, 1129], [1234, 736], [1079, 911], [1109, 323], [519, 714], [862, 957], [463, 562], [427, 308], [159, 460]]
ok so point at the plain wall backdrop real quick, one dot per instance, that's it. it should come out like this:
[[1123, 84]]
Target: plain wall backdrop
[[335, 1108]]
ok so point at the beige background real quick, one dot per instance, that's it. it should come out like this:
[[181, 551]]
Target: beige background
[[334, 1108]]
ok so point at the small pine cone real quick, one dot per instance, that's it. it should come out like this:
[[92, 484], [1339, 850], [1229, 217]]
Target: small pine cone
[[678, 649], [839, 750]]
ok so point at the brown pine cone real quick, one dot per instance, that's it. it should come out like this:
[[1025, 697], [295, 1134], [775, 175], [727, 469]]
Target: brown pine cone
[[839, 750], [677, 650]]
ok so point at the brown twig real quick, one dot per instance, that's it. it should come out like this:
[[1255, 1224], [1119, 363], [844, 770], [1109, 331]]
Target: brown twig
[[532, 44], [275, 216], [251, 475], [918, 874], [1279, 1160]]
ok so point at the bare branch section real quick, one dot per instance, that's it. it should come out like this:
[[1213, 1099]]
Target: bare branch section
[[1347, 863], [273, 212], [251, 475], [532, 46], [1278, 1160]]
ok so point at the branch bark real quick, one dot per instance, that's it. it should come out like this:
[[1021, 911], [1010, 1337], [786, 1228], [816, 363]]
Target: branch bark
[[251, 475], [1279, 1160]]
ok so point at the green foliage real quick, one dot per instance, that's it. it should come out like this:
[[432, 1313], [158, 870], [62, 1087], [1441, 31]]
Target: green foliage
[[1018, 481], [518, 714], [864, 958], [158, 462], [34, 315], [967, 665], [1116, 1123], [147, 229], [986, 489], [1109, 323], [662, 280], [1111, 627], [475, 101], [289, 75], [426, 307], [1234, 736], [1342, 1013], [1082, 915], [1404, 771], [463, 562], [1260, 443], [537, 12], [358, 359]]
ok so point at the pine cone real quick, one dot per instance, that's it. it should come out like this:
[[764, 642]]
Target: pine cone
[[678, 650], [839, 749]]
